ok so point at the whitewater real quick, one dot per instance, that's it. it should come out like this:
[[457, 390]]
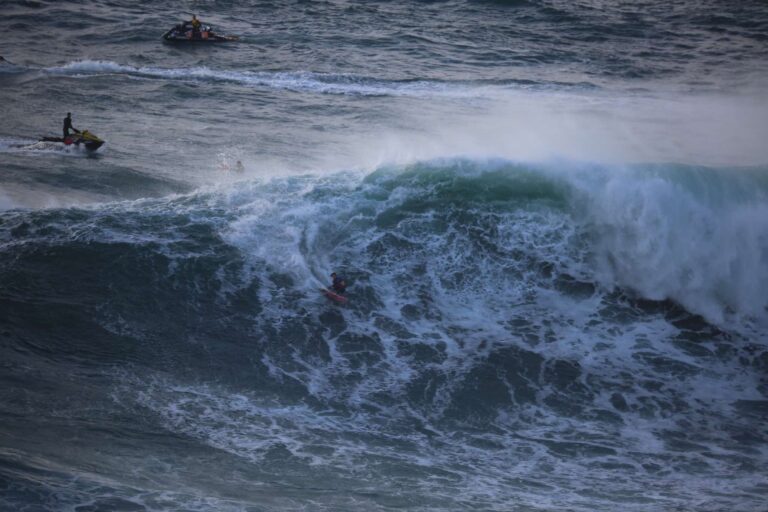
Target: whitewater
[[553, 217]]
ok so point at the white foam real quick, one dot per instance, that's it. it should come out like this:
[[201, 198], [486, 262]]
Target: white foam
[[296, 81], [653, 234]]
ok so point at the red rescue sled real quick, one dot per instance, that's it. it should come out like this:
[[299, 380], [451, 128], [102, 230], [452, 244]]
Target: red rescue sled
[[334, 296]]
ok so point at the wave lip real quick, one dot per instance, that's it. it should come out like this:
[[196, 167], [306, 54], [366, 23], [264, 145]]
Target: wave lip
[[697, 236]]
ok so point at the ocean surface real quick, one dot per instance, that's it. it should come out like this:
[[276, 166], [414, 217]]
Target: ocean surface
[[552, 214]]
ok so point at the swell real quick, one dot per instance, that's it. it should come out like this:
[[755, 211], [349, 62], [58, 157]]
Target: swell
[[307, 81], [29, 181]]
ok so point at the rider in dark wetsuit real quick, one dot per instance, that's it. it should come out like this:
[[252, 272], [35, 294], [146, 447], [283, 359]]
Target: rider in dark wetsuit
[[68, 125], [339, 284]]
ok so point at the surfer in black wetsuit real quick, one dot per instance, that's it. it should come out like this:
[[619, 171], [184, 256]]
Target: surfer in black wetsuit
[[68, 125], [339, 284]]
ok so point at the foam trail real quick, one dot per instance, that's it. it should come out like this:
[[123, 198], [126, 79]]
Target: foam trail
[[301, 81]]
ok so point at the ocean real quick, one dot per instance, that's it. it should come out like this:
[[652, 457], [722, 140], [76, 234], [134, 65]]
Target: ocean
[[552, 217]]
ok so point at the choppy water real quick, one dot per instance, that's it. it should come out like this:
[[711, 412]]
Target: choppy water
[[553, 215]]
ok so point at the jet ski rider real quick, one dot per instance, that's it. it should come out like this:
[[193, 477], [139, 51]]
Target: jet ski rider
[[190, 29], [68, 125], [195, 27]]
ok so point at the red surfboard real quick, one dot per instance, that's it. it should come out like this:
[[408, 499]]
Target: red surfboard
[[334, 296]]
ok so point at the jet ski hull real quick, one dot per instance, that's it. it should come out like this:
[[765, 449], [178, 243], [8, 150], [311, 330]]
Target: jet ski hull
[[174, 36], [86, 138], [93, 145]]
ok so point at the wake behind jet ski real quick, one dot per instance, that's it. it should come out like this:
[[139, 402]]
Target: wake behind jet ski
[[195, 32]]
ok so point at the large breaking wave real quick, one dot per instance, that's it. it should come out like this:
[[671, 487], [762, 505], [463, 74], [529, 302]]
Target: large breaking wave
[[578, 321]]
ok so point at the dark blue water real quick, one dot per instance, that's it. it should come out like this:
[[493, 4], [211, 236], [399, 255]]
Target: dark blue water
[[553, 217]]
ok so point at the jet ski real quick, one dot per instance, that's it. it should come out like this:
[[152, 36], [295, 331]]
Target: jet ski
[[89, 141], [183, 33]]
